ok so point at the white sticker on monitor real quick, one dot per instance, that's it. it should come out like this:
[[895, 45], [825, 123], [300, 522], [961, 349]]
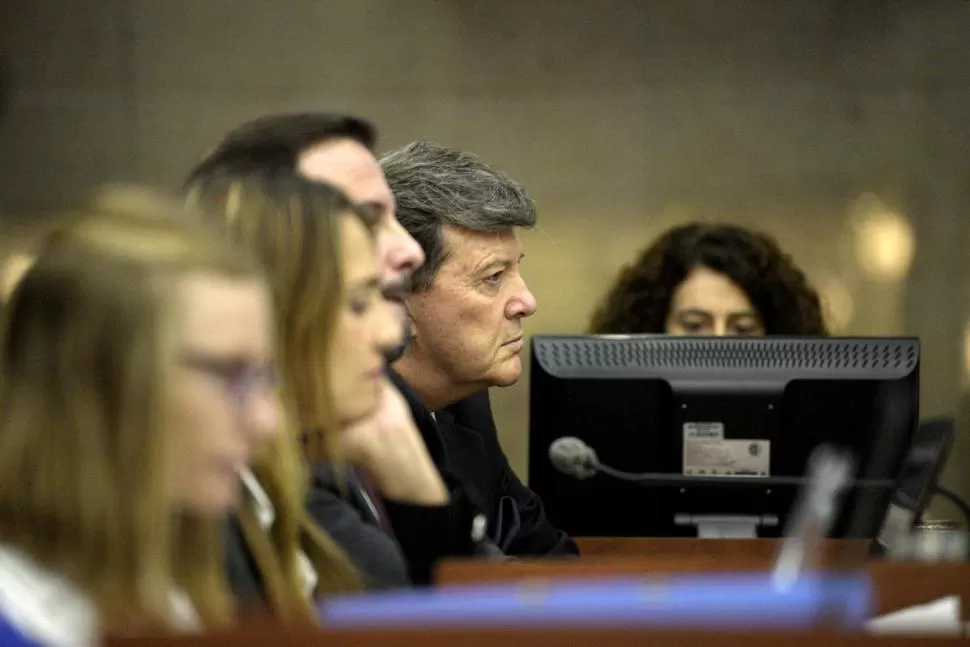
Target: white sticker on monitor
[[716, 456], [703, 431]]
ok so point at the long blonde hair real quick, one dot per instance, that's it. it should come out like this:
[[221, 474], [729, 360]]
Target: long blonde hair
[[292, 225], [86, 361]]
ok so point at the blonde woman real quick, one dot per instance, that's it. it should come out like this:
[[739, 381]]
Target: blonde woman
[[293, 231], [334, 329], [136, 381]]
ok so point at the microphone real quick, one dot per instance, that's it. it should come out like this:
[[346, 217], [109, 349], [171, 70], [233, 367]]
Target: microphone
[[573, 457], [829, 476]]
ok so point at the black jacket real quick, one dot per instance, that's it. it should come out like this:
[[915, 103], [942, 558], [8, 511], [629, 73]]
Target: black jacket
[[517, 522], [464, 446], [391, 543], [345, 513], [479, 479], [351, 516], [241, 570]]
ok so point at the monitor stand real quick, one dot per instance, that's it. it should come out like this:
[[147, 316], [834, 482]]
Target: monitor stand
[[726, 526]]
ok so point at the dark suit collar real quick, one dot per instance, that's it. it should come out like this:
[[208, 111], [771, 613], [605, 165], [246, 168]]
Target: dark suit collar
[[443, 419], [464, 436], [427, 425], [346, 481], [449, 427], [464, 447]]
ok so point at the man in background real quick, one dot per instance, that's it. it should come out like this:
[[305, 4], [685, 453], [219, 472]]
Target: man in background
[[467, 309]]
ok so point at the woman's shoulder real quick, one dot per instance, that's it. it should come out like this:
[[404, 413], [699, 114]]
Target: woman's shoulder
[[38, 607]]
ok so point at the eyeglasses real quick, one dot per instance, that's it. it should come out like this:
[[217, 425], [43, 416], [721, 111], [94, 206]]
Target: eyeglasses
[[242, 379]]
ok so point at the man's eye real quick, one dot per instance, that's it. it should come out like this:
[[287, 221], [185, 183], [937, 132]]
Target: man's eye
[[494, 278]]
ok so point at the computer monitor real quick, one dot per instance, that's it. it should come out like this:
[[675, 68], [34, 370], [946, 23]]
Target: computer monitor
[[735, 418]]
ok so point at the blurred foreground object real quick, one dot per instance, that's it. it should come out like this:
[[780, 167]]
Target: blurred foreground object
[[12, 271], [932, 541], [722, 600], [829, 474]]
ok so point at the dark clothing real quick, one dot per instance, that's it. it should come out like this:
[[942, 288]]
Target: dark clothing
[[421, 534], [464, 446], [349, 521], [490, 512], [517, 522], [241, 570], [371, 495], [351, 517]]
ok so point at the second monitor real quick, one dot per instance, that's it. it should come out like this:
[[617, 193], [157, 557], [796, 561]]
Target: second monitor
[[732, 420]]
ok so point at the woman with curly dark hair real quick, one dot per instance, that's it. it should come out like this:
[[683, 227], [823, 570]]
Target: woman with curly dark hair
[[711, 279]]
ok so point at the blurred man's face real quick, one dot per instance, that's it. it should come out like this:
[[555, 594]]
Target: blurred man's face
[[347, 165]]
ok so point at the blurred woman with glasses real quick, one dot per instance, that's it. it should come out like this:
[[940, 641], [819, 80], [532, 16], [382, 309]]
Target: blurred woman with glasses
[[136, 381], [335, 328], [306, 234]]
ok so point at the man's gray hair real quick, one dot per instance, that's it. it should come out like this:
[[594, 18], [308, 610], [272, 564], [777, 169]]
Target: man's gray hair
[[435, 186]]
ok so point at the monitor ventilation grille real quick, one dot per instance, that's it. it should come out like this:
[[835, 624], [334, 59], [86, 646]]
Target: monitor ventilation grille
[[866, 356]]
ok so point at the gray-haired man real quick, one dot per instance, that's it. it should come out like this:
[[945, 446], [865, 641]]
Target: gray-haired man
[[466, 310]]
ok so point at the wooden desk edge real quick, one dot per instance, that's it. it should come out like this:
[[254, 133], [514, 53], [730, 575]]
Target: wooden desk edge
[[489, 637]]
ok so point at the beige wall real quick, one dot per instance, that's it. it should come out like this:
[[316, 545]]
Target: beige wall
[[622, 117]]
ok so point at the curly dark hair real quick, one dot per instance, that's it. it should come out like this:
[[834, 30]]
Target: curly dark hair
[[639, 300]]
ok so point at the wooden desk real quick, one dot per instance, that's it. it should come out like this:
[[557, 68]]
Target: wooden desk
[[715, 551], [896, 585], [531, 638]]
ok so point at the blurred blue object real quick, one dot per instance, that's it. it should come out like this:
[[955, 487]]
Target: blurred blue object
[[11, 636], [695, 601]]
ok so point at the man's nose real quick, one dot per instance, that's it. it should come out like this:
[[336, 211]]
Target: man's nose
[[403, 255], [523, 303]]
